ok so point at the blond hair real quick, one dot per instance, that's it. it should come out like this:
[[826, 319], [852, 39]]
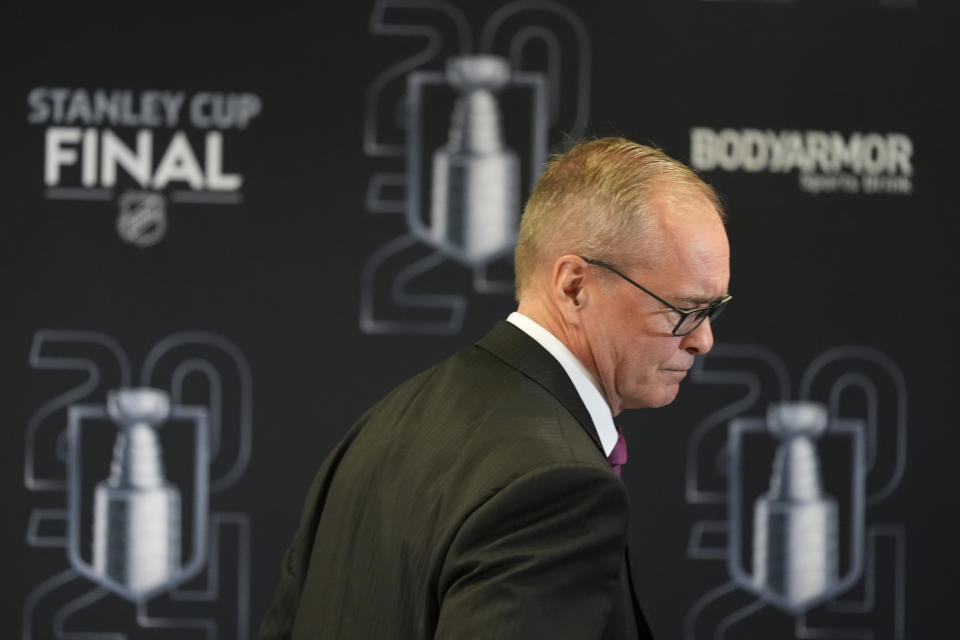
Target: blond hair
[[592, 197]]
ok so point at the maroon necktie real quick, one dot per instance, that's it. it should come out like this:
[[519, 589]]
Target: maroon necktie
[[618, 457]]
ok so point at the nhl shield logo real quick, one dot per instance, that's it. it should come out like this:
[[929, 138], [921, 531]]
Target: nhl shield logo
[[794, 541], [128, 506], [142, 220]]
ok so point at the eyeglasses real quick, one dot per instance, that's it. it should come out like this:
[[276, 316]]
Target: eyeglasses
[[690, 319]]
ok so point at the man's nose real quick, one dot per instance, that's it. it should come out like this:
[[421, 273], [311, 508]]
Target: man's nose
[[700, 340]]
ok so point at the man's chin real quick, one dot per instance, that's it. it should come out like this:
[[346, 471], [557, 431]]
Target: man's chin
[[661, 398], [667, 399]]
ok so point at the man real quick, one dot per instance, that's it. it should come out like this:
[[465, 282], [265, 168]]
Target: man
[[481, 498]]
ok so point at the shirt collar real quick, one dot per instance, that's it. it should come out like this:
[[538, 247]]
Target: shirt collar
[[583, 381]]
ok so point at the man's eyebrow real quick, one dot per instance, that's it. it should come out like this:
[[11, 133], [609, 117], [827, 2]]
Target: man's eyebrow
[[697, 302]]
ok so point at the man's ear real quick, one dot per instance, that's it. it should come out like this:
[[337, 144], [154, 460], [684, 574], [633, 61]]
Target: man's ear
[[568, 286]]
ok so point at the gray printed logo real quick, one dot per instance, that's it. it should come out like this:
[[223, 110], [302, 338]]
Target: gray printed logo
[[131, 477], [797, 476], [475, 197], [163, 144], [471, 137], [136, 514], [794, 538], [142, 220]]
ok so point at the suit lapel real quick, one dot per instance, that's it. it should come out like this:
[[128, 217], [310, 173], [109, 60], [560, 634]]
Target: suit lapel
[[520, 351]]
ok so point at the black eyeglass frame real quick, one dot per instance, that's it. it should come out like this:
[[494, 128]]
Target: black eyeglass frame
[[707, 312]]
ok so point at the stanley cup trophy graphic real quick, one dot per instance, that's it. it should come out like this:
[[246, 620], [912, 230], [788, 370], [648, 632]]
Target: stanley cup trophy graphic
[[136, 522], [475, 193], [795, 522]]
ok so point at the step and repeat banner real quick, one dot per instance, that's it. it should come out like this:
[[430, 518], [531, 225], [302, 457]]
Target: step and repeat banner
[[225, 236]]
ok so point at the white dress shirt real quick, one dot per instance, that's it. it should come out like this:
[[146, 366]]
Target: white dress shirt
[[583, 381]]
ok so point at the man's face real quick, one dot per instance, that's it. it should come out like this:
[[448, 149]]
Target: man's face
[[639, 361]]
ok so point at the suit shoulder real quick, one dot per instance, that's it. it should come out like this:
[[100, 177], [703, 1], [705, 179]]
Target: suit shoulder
[[510, 415]]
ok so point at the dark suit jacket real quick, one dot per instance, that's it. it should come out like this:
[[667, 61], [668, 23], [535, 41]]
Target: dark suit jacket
[[474, 501]]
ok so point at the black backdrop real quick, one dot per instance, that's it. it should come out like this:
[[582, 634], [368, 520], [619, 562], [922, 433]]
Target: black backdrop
[[282, 298]]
